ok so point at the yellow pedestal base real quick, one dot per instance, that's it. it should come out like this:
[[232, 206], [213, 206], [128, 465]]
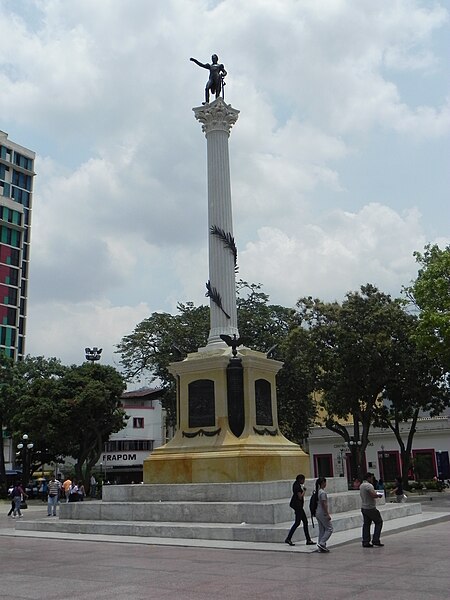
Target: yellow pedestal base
[[225, 466], [211, 453], [224, 458]]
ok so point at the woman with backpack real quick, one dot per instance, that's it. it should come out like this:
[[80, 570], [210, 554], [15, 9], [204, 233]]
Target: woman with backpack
[[323, 515]]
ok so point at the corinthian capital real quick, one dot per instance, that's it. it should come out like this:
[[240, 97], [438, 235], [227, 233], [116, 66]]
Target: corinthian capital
[[216, 116]]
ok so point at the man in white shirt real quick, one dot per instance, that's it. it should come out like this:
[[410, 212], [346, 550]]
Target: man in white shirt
[[370, 512]]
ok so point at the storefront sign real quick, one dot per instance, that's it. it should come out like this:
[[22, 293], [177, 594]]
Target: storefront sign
[[123, 457]]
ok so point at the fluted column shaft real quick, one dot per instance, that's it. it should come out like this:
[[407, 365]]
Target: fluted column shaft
[[217, 119]]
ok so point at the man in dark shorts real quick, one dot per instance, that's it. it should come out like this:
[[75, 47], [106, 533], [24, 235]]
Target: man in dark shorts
[[370, 512]]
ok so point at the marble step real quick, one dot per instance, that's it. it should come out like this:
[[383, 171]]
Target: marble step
[[273, 511], [257, 532], [213, 492]]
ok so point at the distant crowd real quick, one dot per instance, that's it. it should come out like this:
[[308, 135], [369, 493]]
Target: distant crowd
[[52, 492]]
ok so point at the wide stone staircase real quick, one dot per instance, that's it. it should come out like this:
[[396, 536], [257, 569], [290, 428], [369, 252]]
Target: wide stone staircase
[[239, 512]]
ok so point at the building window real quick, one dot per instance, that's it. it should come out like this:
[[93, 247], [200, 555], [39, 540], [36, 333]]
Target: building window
[[127, 445], [424, 464], [138, 422], [323, 465]]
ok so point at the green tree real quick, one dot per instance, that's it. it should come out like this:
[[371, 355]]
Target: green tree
[[430, 294], [352, 348], [69, 411], [90, 396], [15, 381], [418, 385], [263, 326], [296, 383], [37, 411]]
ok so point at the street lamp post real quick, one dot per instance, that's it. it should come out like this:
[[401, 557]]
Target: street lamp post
[[439, 468], [341, 459], [92, 354], [383, 463], [25, 447], [354, 445]]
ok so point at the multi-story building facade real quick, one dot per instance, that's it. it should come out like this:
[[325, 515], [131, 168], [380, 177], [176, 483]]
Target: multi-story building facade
[[124, 453], [16, 199]]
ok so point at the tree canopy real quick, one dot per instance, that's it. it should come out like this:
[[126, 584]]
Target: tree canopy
[[430, 294], [65, 410], [418, 385], [352, 349]]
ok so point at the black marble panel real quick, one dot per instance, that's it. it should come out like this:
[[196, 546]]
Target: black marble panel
[[201, 403], [263, 400], [235, 396]]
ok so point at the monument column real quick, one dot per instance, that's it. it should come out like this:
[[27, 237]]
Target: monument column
[[217, 118], [227, 414]]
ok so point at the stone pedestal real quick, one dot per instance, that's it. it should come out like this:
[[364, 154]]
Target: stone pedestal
[[211, 444]]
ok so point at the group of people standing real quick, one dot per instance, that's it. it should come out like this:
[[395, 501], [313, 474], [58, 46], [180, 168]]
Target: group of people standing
[[320, 509], [55, 491], [68, 491]]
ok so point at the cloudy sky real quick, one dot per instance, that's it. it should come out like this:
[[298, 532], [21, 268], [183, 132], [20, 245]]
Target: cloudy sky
[[339, 159]]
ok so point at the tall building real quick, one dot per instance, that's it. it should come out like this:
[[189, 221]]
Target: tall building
[[16, 194]]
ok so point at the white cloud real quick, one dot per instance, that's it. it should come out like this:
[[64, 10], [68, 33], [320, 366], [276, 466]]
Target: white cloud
[[339, 254], [65, 329], [104, 93]]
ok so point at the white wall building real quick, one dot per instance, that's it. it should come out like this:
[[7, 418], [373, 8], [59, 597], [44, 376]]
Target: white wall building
[[123, 456], [330, 456]]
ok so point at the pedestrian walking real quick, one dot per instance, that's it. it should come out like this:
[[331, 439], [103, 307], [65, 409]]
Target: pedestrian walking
[[370, 512], [297, 505], [18, 494], [54, 487], [93, 487], [323, 515], [81, 491], [66, 487], [44, 490], [10, 491], [398, 490], [380, 487]]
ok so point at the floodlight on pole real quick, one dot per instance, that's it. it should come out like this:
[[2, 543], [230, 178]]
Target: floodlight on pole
[[93, 354]]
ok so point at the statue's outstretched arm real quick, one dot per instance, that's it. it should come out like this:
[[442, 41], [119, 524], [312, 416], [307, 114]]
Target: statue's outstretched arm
[[199, 63]]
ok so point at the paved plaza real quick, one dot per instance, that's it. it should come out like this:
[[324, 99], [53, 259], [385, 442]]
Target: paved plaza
[[414, 564]]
